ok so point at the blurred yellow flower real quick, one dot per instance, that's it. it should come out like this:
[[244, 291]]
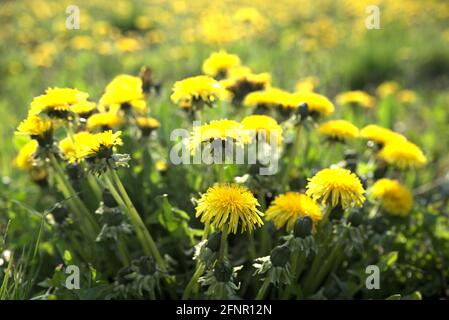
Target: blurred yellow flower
[[197, 89], [406, 96], [336, 186], [124, 91], [402, 154], [57, 102], [387, 88], [288, 207], [218, 63], [318, 104], [104, 121], [34, 126], [395, 198], [218, 129], [307, 84], [98, 145], [339, 129], [70, 147], [265, 125], [357, 97], [24, 159], [226, 206], [270, 97], [379, 134], [83, 108], [147, 123]]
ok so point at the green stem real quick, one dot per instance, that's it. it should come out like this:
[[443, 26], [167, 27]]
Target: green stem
[[263, 289], [193, 281], [76, 205], [143, 234], [297, 263], [251, 246], [224, 236], [291, 158]]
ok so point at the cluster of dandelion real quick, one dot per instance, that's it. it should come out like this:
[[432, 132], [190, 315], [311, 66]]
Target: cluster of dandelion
[[285, 235]]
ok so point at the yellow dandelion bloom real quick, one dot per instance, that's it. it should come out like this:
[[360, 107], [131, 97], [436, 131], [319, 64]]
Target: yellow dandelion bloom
[[406, 96], [71, 147], [336, 186], [147, 123], [394, 198], [34, 126], [339, 130], [107, 120], [288, 207], [242, 81], [402, 154], [307, 84], [124, 91], [380, 135], [265, 124], [96, 145], [226, 206], [219, 63], [197, 89], [57, 101], [317, 103], [218, 129], [161, 166], [24, 159], [83, 108], [387, 88], [357, 97], [270, 97]]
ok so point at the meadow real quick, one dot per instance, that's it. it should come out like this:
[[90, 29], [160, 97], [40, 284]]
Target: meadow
[[96, 202]]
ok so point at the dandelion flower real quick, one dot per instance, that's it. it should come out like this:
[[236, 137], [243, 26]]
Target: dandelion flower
[[24, 159], [406, 96], [71, 147], [36, 127], [197, 89], [339, 130], [57, 102], [147, 125], [265, 125], [402, 154], [125, 92], [317, 104], [226, 206], [241, 81], [104, 121], [307, 84], [357, 97], [287, 208], [219, 63], [98, 145], [84, 108], [387, 88], [270, 97], [380, 135], [218, 129], [395, 198], [336, 186]]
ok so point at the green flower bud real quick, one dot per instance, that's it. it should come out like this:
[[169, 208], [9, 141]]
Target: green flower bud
[[280, 256], [356, 218], [223, 272], [303, 227]]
